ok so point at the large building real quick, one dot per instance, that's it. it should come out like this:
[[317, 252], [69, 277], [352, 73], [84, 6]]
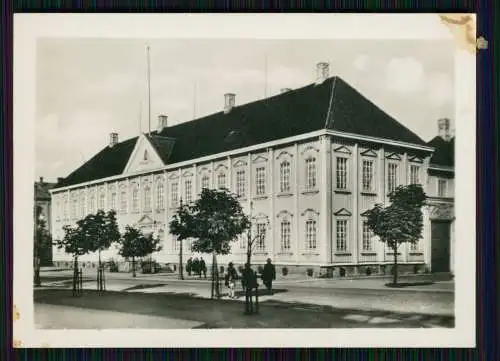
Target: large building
[[305, 164]]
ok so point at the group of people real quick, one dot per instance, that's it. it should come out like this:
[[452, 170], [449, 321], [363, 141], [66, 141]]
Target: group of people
[[196, 267], [249, 277]]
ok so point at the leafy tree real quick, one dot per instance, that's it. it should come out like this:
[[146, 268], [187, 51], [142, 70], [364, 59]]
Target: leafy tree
[[74, 242], [102, 231], [42, 244], [401, 221], [134, 244], [214, 220]]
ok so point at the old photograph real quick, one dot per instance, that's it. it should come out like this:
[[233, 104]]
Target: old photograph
[[244, 183]]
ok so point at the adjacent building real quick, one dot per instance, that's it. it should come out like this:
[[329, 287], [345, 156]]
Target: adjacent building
[[43, 205], [305, 164]]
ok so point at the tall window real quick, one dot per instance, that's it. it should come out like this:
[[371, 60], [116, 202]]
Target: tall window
[[82, 206], [341, 173], [175, 243], [240, 183], [285, 177], [311, 234], [367, 175], [66, 207], [92, 203], [311, 173], [102, 201], [160, 196], [261, 236], [341, 235], [414, 174], [147, 198], [123, 201], [285, 235], [367, 237], [74, 205], [187, 190], [392, 177], [174, 194], [205, 182], [221, 180], [442, 188], [260, 181], [113, 201], [243, 241], [135, 199]]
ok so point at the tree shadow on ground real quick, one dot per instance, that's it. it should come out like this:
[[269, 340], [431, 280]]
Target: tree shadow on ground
[[409, 284], [262, 292], [144, 286]]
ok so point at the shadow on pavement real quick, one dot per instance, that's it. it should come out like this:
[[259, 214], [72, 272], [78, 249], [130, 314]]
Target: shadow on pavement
[[144, 286]]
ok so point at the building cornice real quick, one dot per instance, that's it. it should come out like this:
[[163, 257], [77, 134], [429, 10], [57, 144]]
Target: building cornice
[[245, 150], [441, 168]]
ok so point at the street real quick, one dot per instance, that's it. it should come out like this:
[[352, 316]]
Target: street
[[293, 303]]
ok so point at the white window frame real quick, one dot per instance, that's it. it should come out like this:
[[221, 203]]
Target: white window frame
[[92, 203], [367, 175], [174, 194], [285, 235], [123, 201], [81, 206], [341, 245], [366, 237], [188, 190], [147, 194], [205, 178], [240, 183], [414, 174], [261, 241], [285, 173], [341, 174], [260, 181], [445, 187], [135, 199], [311, 173], [311, 234], [392, 185], [102, 201], [221, 180], [160, 195], [112, 200]]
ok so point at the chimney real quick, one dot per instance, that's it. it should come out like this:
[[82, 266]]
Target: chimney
[[444, 128], [162, 122], [229, 102], [41, 180], [113, 139], [284, 90], [322, 72]]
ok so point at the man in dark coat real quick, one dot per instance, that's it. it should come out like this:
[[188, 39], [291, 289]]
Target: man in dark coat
[[196, 266], [189, 265], [203, 268], [269, 275], [249, 282]]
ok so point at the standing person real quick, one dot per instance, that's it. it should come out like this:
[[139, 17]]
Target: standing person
[[268, 275], [196, 266], [231, 277], [189, 265], [203, 268], [248, 281]]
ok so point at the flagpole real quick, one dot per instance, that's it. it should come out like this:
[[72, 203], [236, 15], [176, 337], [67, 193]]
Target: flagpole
[[149, 92]]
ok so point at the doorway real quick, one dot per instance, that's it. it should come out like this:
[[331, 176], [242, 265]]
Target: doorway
[[440, 242]]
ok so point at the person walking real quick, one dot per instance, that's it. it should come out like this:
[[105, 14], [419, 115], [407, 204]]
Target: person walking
[[249, 282], [203, 268], [231, 277], [196, 266], [189, 265], [269, 275]]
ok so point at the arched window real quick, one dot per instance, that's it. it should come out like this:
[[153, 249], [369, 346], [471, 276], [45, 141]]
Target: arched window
[[285, 176], [160, 196], [311, 234]]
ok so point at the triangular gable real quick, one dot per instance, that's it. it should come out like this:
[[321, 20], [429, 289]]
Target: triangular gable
[[239, 163], [343, 212], [309, 148], [342, 149], [145, 221], [260, 159], [416, 159], [143, 157], [394, 156], [369, 153], [284, 153]]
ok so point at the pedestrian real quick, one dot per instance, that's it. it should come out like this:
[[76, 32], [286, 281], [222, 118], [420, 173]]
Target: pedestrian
[[230, 279], [189, 265], [248, 281], [196, 266], [203, 268], [269, 275]]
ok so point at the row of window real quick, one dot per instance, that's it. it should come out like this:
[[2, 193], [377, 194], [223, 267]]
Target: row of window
[[368, 176]]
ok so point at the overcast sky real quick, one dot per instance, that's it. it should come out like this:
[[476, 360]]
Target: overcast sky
[[90, 87]]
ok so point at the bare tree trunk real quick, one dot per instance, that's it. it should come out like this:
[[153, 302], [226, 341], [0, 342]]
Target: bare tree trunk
[[216, 276], [395, 279], [133, 267], [181, 272], [100, 259], [213, 279]]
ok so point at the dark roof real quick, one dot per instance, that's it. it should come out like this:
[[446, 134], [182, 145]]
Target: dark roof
[[42, 190], [444, 153], [333, 104]]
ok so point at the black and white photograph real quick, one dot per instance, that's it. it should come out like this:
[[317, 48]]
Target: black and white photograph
[[194, 183]]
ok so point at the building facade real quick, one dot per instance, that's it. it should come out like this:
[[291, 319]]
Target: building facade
[[44, 210], [305, 164]]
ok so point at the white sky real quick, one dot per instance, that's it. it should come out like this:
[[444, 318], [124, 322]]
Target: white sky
[[87, 88]]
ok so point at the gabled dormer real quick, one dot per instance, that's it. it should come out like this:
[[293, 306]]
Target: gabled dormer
[[150, 152]]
